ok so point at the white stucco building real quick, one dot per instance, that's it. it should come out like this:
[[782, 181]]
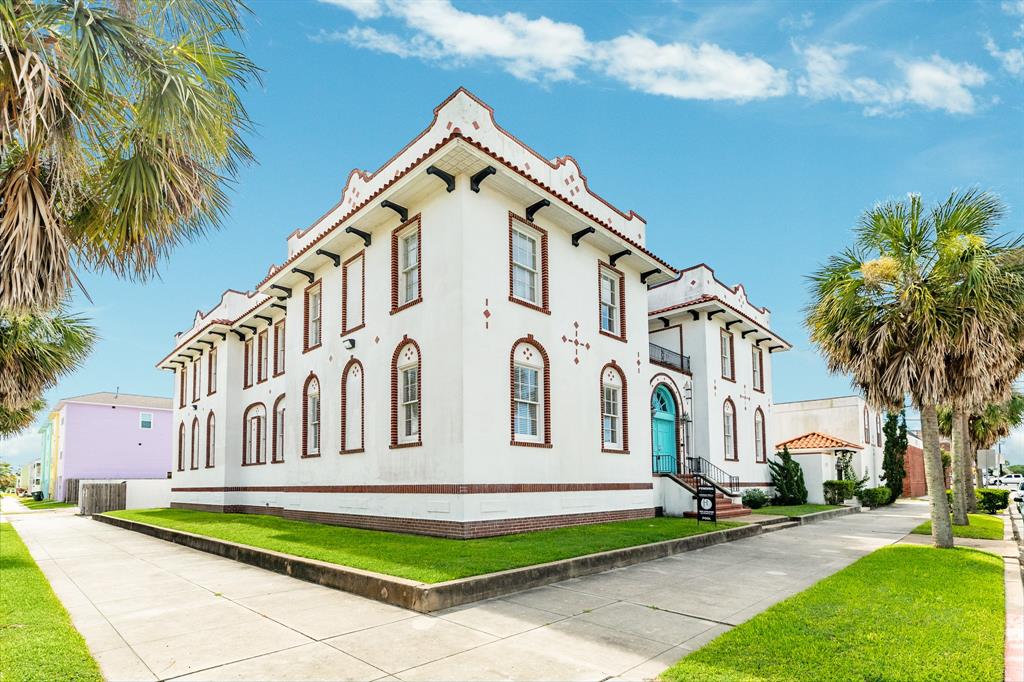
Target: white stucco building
[[471, 342]]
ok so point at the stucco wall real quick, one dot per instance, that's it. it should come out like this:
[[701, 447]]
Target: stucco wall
[[105, 441]]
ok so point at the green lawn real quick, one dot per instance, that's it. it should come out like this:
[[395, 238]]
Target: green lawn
[[37, 639], [45, 504], [417, 557], [982, 527], [903, 612], [795, 509]]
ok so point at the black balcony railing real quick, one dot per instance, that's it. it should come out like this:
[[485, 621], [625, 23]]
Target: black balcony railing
[[664, 356], [698, 466]]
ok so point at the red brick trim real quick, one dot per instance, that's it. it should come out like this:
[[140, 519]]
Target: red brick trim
[[305, 453], [543, 243], [395, 268], [732, 354], [194, 445], [211, 445], [735, 435], [546, 441], [246, 373], [623, 417], [395, 388], [760, 366], [345, 449], [667, 381], [275, 456], [262, 348], [449, 529], [621, 336], [211, 371], [279, 341], [260, 455], [181, 446], [305, 317], [426, 488], [763, 457], [345, 329]]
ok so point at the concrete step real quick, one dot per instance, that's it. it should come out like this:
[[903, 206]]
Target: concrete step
[[771, 528]]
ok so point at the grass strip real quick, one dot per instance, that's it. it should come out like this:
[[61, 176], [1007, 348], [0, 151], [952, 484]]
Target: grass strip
[[982, 527], [795, 509]]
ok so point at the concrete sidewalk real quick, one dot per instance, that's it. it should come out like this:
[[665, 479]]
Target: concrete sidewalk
[[153, 610]]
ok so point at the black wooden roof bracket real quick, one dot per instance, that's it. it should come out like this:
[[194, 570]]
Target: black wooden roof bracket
[[222, 335], [333, 256], [266, 319], [245, 326], [743, 335], [612, 257], [665, 321], [730, 324], [365, 236], [645, 275], [532, 209], [278, 305], [772, 349], [695, 314], [479, 176], [758, 342], [402, 211], [712, 313], [448, 178], [305, 273], [577, 236], [208, 343], [240, 335], [286, 290]]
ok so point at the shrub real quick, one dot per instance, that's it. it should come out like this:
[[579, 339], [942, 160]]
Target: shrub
[[787, 479], [838, 491], [992, 500], [755, 499], [875, 497]]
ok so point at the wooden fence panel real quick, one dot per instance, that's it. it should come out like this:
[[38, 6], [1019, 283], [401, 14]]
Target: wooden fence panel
[[96, 498], [71, 490]]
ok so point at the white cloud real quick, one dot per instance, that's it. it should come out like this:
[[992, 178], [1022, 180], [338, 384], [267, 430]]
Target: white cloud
[[21, 448], [1012, 60], [686, 72], [364, 9], [1015, 8], [797, 23], [934, 84]]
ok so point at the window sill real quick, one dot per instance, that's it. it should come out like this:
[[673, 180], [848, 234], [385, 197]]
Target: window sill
[[530, 305], [277, 374], [310, 456], [731, 380], [399, 446], [617, 337], [277, 461], [355, 451], [397, 309], [252, 464], [353, 330], [312, 348], [759, 390], [615, 451], [209, 393], [529, 444]]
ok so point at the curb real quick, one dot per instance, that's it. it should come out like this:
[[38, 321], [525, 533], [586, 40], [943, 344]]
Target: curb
[[824, 515], [428, 597]]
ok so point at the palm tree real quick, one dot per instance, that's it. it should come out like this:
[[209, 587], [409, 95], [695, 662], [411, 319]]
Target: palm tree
[[13, 421], [996, 421], [35, 351], [120, 126]]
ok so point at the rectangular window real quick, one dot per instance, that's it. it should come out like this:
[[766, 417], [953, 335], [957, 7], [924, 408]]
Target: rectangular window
[[313, 412], [211, 372], [196, 371], [247, 371], [610, 413], [182, 387], [609, 302], [279, 348], [279, 435], [728, 365], [524, 267], [263, 355], [145, 420], [353, 281], [409, 279], [410, 404], [527, 401], [254, 441], [758, 364], [313, 317]]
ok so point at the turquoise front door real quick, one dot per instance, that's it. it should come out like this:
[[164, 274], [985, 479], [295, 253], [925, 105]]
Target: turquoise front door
[[663, 432]]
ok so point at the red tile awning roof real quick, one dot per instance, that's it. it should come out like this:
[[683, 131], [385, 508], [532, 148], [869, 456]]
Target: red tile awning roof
[[816, 440]]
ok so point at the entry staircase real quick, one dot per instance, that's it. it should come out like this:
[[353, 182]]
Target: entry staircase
[[697, 469]]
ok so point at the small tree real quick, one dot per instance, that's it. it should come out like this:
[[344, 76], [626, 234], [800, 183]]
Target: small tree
[[788, 480], [894, 468], [8, 478]]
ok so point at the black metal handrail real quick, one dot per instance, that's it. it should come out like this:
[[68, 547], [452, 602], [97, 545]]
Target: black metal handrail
[[664, 356], [698, 466]]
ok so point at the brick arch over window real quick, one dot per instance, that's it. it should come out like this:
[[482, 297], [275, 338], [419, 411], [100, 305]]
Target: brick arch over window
[[729, 420], [545, 441], [760, 454], [312, 443], [258, 456], [353, 371], [181, 446], [396, 388], [277, 431], [211, 444], [623, 406]]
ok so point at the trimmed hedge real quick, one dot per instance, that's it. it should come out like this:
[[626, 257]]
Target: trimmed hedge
[[990, 500], [755, 499], [836, 492], [875, 497]]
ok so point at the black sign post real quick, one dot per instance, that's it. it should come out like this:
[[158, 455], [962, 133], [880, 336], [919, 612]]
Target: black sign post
[[706, 503]]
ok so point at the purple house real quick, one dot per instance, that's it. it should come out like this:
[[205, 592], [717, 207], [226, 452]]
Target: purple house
[[111, 435]]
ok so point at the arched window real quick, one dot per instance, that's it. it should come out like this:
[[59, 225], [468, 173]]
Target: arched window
[[311, 417], [760, 451], [194, 459], [254, 433], [211, 438], [277, 445], [729, 430], [614, 410], [352, 388], [878, 429], [181, 446], [406, 395], [530, 377]]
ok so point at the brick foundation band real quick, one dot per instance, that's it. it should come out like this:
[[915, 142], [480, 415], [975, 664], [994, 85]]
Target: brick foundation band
[[427, 489]]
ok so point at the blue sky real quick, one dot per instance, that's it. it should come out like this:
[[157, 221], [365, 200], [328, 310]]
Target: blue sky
[[750, 136]]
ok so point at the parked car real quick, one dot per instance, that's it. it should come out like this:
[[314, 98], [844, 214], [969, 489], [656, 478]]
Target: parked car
[[1017, 494], [1010, 479]]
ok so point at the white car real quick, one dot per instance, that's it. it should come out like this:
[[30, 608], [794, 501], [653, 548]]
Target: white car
[[1017, 493], [1010, 479]]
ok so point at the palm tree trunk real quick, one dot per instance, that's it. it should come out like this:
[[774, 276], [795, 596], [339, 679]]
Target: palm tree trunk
[[970, 465], [957, 470], [942, 530]]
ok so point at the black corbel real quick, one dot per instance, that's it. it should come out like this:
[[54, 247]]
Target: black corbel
[[402, 211], [478, 177], [188, 357], [179, 363], [240, 335], [532, 209], [448, 178], [645, 275], [365, 236], [305, 273], [712, 313], [577, 236], [664, 321], [266, 319], [758, 342], [222, 335], [695, 314], [730, 324], [743, 335], [245, 326], [772, 349], [278, 305], [286, 290], [208, 343], [333, 256], [612, 257]]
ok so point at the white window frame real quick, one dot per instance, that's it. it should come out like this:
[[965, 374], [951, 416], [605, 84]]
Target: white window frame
[[760, 451], [409, 425], [211, 379], [728, 364], [144, 419], [263, 355], [611, 416], [729, 431], [279, 346], [530, 273], [536, 403], [313, 439], [279, 415], [250, 362], [211, 441], [757, 359], [408, 270], [612, 306], [314, 326]]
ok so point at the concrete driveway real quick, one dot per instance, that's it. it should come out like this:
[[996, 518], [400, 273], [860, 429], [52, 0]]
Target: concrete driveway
[[153, 610]]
